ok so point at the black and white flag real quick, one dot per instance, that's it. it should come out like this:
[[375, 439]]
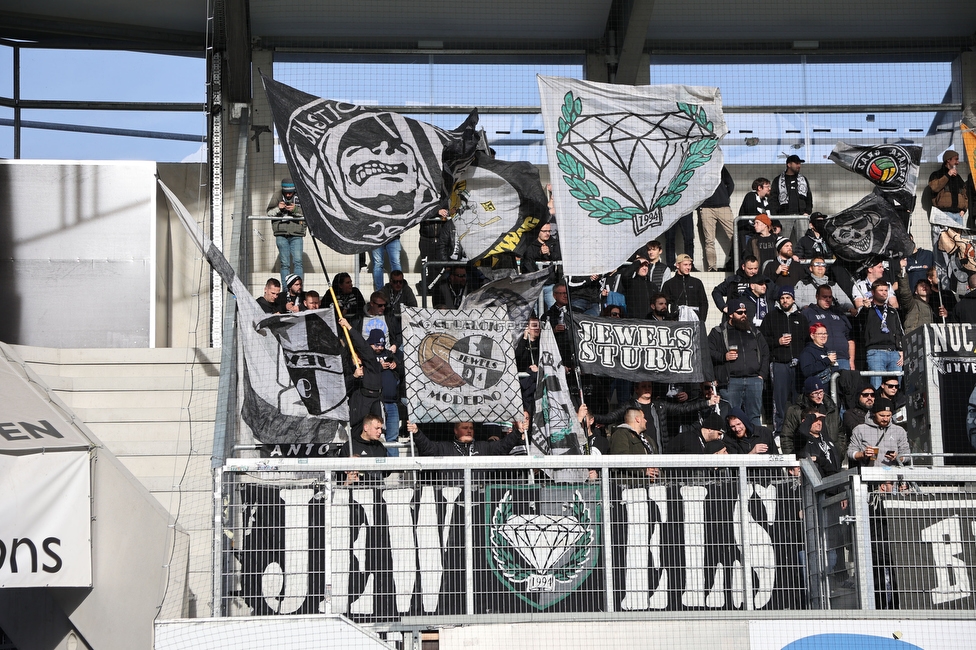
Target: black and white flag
[[495, 203], [555, 429], [641, 350], [276, 408], [519, 296], [893, 168], [364, 176], [870, 228], [460, 366]]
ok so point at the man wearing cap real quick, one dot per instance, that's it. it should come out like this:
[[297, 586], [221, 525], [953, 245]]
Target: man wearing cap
[[949, 189], [863, 288], [740, 357], [816, 399], [711, 430], [755, 298], [812, 243], [288, 226], [291, 299], [762, 246], [686, 294], [860, 412], [390, 377], [781, 269], [791, 192], [878, 442], [785, 330]]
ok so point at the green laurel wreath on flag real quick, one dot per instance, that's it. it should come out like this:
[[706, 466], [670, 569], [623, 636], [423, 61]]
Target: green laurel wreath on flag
[[514, 568], [606, 209]]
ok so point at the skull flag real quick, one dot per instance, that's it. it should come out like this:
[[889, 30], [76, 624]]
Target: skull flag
[[870, 228], [893, 168], [363, 176]]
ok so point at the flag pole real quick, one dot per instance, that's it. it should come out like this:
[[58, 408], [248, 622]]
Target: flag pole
[[335, 304]]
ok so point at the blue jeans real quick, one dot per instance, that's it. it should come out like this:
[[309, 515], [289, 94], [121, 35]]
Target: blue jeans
[[746, 394], [392, 426], [290, 250], [392, 249], [882, 360]]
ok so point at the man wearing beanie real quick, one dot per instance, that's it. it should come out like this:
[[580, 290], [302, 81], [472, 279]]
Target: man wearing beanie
[[878, 442], [763, 245], [814, 398], [288, 226], [785, 330], [291, 297], [740, 357], [695, 441], [781, 270]]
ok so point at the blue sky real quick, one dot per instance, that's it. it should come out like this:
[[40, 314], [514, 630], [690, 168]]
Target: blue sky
[[466, 81]]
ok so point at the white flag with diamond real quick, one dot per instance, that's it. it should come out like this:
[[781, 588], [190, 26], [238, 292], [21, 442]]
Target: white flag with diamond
[[626, 162]]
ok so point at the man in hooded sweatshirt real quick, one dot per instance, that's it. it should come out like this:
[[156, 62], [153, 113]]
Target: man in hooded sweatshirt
[[695, 441], [879, 442], [744, 438]]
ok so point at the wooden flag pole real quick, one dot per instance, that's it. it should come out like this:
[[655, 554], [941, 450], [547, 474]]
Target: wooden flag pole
[[335, 304]]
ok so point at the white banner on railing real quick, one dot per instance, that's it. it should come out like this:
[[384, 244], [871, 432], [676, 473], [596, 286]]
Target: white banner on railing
[[45, 507]]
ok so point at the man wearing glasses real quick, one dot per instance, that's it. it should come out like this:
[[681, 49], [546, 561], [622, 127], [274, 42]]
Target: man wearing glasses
[[806, 289], [398, 294], [451, 292], [861, 412]]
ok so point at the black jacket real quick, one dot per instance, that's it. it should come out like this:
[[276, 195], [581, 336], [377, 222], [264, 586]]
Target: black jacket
[[656, 413], [722, 196], [777, 323], [965, 309], [753, 358], [686, 290]]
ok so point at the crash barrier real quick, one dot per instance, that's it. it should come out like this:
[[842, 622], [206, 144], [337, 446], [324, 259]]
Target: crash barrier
[[430, 539]]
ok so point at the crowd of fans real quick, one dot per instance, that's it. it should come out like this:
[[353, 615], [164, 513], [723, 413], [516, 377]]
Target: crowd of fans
[[794, 321]]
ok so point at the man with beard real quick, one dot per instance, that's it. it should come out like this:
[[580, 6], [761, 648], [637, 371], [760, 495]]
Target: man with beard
[[755, 299], [740, 357], [660, 310], [785, 329], [859, 413], [882, 333], [398, 294], [746, 439], [291, 299], [781, 269], [628, 438], [878, 442], [791, 192]]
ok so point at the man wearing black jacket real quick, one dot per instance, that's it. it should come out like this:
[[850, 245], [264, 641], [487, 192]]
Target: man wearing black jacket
[[785, 330], [737, 283], [656, 412], [716, 210], [368, 443], [740, 357], [685, 291]]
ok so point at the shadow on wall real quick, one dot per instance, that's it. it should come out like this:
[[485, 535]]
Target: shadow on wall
[[10, 297]]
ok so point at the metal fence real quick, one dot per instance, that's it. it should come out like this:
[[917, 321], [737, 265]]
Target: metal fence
[[440, 537], [434, 538]]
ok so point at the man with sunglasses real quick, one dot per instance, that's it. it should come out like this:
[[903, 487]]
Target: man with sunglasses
[[890, 391], [398, 294], [375, 317], [860, 412], [816, 277], [740, 357]]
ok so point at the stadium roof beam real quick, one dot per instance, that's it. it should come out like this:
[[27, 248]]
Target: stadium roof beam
[[632, 50]]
